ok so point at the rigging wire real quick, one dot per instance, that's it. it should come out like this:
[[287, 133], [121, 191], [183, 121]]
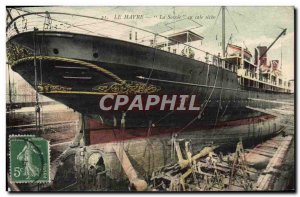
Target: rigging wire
[[220, 101], [9, 86], [203, 108], [47, 21], [37, 107], [196, 48], [215, 22], [66, 23], [199, 25], [153, 60], [232, 20], [93, 32], [99, 22], [280, 54], [244, 43], [187, 45]]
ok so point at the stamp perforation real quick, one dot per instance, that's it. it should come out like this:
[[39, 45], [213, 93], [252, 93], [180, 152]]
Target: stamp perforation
[[33, 138]]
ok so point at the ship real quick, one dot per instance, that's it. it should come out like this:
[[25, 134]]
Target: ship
[[77, 67]]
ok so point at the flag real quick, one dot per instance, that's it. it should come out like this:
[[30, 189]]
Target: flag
[[275, 67], [274, 64]]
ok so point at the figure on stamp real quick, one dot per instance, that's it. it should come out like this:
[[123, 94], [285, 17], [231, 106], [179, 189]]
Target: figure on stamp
[[26, 156]]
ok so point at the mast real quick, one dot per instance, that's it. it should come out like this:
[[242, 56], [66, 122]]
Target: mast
[[223, 30], [281, 55]]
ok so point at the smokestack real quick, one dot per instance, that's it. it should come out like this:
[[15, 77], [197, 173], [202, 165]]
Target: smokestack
[[263, 59]]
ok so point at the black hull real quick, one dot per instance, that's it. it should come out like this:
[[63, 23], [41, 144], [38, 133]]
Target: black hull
[[218, 90]]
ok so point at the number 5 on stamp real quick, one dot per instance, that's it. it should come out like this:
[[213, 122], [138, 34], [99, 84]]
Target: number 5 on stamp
[[29, 159]]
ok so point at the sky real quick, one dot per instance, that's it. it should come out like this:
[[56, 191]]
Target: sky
[[247, 26]]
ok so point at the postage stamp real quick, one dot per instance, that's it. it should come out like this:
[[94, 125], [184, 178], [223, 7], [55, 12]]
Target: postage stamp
[[29, 159]]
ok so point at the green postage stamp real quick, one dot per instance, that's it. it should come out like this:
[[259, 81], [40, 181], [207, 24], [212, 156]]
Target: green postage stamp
[[29, 159]]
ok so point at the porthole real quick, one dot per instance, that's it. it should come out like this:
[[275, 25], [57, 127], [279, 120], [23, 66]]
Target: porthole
[[95, 55], [55, 51]]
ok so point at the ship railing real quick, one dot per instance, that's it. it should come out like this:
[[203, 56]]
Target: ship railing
[[268, 82], [24, 21], [250, 74]]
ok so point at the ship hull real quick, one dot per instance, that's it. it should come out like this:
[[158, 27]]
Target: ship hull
[[67, 61], [220, 96]]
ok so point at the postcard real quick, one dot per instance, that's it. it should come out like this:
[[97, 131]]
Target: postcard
[[150, 99]]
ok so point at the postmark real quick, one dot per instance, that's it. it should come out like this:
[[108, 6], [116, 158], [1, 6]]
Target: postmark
[[29, 159]]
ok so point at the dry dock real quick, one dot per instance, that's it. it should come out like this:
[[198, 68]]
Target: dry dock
[[265, 166]]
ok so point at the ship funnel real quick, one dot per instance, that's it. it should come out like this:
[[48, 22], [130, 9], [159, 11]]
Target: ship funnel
[[261, 50]]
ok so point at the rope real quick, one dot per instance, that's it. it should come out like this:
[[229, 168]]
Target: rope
[[192, 91], [153, 60], [9, 86], [40, 66], [75, 61], [220, 103], [201, 110], [232, 20], [37, 105], [235, 25]]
